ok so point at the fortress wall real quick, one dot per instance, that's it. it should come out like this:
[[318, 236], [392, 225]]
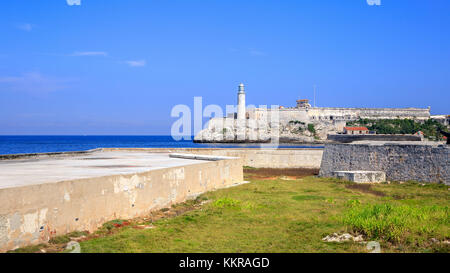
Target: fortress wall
[[334, 113], [35, 213], [386, 113], [370, 113], [400, 162], [284, 115]]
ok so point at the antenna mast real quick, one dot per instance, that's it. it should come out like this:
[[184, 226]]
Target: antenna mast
[[314, 95]]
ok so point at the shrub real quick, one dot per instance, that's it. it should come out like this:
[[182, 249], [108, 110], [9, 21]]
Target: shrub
[[430, 128], [64, 239], [226, 203]]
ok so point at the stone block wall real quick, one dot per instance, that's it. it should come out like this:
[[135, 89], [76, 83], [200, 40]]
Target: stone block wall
[[400, 162]]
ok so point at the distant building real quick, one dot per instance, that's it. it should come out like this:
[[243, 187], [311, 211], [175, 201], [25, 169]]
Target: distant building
[[356, 131], [303, 103], [442, 119]]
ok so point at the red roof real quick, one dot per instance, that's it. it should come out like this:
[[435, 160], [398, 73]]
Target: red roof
[[356, 128]]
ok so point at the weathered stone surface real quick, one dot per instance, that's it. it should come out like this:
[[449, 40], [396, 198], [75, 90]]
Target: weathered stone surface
[[361, 176], [400, 161]]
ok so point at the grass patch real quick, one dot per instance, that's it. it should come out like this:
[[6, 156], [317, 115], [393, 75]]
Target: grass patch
[[399, 223], [28, 249], [227, 202], [307, 197], [63, 239], [276, 215]]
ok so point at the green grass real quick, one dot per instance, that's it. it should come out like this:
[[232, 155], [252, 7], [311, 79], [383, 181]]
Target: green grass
[[399, 223], [28, 249], [293, 216], [63, 239]]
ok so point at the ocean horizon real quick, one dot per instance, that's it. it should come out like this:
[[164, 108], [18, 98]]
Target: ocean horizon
[[30, 144]]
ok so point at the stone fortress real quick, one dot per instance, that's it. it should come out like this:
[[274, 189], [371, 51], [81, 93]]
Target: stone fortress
[[301, 124]]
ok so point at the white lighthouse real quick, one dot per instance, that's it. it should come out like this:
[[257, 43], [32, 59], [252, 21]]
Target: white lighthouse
[[241, 102]]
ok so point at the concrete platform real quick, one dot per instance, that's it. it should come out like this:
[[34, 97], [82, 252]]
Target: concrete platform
[[22, 172], [46, 195], [362, 176]]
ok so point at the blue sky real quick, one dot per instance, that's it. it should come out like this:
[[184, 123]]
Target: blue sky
[[118, 67]]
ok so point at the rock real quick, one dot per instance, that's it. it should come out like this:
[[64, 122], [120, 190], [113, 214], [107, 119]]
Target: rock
[[342, 238], [78, 238], [73, 247], [358, 238], [257, 131]]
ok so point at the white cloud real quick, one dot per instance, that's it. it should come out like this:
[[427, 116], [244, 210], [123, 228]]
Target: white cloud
[[25, 27], [73, 2], [33, 82], [89, 53], [137, 63]]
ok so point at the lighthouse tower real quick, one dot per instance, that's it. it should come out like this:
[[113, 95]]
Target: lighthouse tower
[[241, 103]]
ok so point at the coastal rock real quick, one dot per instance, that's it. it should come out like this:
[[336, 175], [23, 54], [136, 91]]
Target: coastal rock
[[227, 130]]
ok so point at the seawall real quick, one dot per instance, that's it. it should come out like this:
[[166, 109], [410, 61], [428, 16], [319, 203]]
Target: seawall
[[402, 161], [57, 195]]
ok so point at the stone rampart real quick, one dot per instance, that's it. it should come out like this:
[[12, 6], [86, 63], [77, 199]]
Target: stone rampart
[[400, 161]]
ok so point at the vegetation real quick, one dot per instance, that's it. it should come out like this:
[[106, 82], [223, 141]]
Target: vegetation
[[311, 128], [286, 210], [392, 221], [430, 128], [299, 129], [293, 214], [63, 239], [28, 249], [296, 122]]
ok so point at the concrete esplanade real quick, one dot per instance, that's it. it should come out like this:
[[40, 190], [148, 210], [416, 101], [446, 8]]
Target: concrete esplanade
[[46, 195]]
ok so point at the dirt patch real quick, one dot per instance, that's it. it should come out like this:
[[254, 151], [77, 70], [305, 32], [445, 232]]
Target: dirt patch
[[366, 188], [269, 173]]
